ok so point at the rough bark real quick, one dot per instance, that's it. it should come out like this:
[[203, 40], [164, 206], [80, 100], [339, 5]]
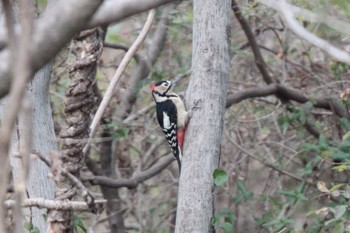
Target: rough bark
[[207, 89], [80, 99]]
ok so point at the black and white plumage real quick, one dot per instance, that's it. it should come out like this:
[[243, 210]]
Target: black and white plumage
[[172, 116]]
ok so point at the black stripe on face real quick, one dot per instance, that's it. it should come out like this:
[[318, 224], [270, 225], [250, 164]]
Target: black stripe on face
[[160, 83], [162, 87]]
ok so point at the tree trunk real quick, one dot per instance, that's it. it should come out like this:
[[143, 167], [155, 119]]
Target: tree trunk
[[207, 91], [80, 100], [38, 183]]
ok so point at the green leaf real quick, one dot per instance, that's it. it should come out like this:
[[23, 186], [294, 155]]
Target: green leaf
[[346, 136], [344, 146], [243, 192], [335, 187], [323, 142], [223, 219], [220, 177], [344, 123], [339, 227], [28, 226], [35, 230], [77, 222], [279, 222], [311, 147], [226, 213], [226, 226], [340, 155], [283, 123], [294, 194], [339, 211]]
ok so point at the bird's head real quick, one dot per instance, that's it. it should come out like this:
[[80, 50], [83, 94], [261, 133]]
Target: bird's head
[[161, 87]]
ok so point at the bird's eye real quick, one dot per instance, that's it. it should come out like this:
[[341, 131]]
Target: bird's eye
[[166, 84]]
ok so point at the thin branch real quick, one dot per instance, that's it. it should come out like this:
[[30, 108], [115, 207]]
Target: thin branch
[[332, 104], [142, 70], [139, 113], [5, 134], [88, 197], [25, 149], [117, 76], [64, 12], [332, 22], [259, 60], [135, 179], [55, 205], [262, 161], [121, 47], [46, 42], [287, 14], [114, 11], [21, 72]]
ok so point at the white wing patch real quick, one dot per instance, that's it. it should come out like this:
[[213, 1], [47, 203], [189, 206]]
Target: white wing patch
[[166, 121]]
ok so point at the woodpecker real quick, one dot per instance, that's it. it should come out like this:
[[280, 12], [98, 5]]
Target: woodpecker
[[172, 116]]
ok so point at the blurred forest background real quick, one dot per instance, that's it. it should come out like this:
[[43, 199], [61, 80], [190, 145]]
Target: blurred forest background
[[285, 151], [267, 142]]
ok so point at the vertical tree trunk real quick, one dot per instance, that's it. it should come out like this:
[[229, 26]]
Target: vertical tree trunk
[[80, 100], [38, 183], [207, 90]]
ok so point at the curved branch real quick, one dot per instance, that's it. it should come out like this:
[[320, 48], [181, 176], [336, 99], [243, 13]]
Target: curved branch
[[312, 17], [143, 68], [290, 94], [114, 11], [136, 179], [51, 32], [109, 93], [288, 17]]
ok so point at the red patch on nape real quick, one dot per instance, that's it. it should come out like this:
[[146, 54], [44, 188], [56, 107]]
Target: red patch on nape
[[153, 87], [181, 137]]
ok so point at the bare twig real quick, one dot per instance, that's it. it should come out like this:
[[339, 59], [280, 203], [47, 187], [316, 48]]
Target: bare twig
[[122, 47], [25, 149], [5, 134], [135, 179], [64, 13], [149, 56], [180, 76], [332, 22], [259, 60], [117, 76], [298, 29], [87, 195], [332, 104], [21, 71], [262, 161], [54, 204], [139, 113], [114, 11]]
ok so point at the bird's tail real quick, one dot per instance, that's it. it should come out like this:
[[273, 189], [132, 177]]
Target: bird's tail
[[178, 156]]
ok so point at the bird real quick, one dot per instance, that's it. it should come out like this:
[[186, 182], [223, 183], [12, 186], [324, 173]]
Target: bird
[[171, 115]]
